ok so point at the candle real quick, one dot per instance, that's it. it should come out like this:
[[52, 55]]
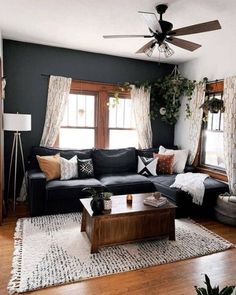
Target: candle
[[129, 198]]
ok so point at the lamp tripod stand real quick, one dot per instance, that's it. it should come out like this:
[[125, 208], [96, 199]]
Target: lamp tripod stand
[[14, 152], [16, 122]]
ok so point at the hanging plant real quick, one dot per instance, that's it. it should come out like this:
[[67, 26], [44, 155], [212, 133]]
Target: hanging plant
[[166, 94], [213, 105]]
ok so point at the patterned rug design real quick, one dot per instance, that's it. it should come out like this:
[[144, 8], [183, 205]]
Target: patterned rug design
[[51, 250]]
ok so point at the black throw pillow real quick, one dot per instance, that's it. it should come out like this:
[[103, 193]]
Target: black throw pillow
[[85, 168]]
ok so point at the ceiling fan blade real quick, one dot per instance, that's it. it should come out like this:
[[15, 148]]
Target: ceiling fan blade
[[151, 21], [191, 46], [198, 28], [145, 47], [126, 36]]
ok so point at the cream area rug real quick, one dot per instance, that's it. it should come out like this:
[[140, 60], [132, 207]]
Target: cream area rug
[[51, 250]]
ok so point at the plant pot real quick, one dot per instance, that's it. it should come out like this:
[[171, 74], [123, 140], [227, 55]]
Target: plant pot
[[97, 205], [107, 204]]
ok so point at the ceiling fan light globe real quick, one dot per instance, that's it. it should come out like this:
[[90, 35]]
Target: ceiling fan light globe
[[169, 52], [165, 48], [149, 52]]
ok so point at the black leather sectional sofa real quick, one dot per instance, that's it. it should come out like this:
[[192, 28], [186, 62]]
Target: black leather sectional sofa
[[115, 171]]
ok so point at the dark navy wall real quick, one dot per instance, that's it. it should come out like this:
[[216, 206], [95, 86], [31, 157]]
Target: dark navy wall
[[26, 90]]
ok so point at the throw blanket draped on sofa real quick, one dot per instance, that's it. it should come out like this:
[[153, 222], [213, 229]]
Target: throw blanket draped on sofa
[[192, 183]]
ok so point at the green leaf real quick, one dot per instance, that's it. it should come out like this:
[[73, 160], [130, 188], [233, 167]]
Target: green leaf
[[228, 290], [201, 291], [208, 284]]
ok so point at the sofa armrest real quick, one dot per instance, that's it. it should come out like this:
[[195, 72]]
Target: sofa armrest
[[190, 168], [36, 192]]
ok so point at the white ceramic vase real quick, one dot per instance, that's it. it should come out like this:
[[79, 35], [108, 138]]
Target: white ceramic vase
[[107, 204]]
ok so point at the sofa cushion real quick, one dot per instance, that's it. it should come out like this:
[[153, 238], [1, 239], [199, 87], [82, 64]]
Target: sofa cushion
[[85, 168], [126, 183], [180, 158], [147, 166], [65, 153], [50, 166], [114, 161], [69, 189], [69, 168], [164, 163]]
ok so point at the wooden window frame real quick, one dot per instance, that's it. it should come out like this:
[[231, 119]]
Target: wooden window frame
[[102, 91], [211, 88]]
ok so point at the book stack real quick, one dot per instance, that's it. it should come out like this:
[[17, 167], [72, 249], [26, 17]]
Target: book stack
[[155, 202]]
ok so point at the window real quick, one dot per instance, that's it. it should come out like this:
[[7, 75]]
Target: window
[[122, 131], [89, 122], [212, 152], [78, 122]]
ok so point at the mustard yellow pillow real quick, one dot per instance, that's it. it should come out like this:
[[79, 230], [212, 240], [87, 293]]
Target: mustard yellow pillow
[[50, 166]]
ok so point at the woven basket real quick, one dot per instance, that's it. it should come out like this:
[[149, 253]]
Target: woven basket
[[225, 209]]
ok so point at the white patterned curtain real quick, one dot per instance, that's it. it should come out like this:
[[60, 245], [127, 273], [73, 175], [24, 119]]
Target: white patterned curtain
[[230, 131], [58, 94], [140, 98], [195, 125]]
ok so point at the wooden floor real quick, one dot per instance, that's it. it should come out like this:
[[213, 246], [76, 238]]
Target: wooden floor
[[173, 279]]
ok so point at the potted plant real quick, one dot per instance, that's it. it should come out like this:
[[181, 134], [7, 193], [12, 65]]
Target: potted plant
[[209, 290], [107, 200], [97, 204], [213, 105]]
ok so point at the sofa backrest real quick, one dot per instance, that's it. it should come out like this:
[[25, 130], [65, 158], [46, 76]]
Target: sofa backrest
[[114, 161], [65, 153], [148, 153]]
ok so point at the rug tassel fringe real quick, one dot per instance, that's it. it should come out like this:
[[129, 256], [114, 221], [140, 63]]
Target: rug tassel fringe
[[14, 283]]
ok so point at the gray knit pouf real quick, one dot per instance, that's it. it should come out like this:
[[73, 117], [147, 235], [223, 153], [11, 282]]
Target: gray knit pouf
[[225, 209]]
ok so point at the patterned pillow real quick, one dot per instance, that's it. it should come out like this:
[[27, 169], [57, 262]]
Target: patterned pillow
[[165, 163], [85, 168], [147, 166], [69, 168]]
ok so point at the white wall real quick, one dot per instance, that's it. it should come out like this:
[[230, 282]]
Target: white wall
[[0, 44], [218, 62]]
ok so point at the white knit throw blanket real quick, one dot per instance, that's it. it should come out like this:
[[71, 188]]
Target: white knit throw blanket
[[192, 183]]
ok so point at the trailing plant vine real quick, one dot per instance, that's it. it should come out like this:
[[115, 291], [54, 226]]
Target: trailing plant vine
[[166, 97]]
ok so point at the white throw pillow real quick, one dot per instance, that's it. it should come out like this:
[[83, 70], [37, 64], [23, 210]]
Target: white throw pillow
[[180, 158], [69, 168]]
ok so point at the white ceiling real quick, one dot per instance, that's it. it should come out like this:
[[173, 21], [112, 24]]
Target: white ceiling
[[80, 24]]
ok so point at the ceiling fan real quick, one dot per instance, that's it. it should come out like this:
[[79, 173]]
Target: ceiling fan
[[161, 33]]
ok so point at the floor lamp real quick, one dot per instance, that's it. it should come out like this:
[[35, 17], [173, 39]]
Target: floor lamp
[[16, 122]]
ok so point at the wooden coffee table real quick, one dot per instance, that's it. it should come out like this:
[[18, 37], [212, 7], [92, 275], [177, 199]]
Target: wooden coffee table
[[127, 223]]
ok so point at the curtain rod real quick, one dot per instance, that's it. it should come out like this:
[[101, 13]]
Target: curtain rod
[[76, 79], [48, 75], [82, 80], [215, 81]]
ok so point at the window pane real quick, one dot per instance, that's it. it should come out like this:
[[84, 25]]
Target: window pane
[[216, 121], [121, 116], [222, 122], [123, 138], [89, 110], [79, 111], [213, 152], [76, 138], [72, 101], [209, 121]]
